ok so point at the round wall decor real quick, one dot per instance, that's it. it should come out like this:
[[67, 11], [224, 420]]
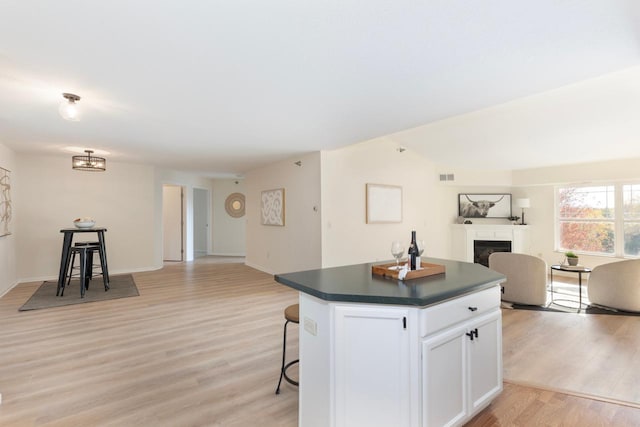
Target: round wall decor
[[234, 205]]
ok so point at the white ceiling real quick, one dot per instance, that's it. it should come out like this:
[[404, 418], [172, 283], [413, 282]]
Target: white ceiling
[[221, 87]]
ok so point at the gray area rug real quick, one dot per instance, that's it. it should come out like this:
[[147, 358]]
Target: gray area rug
[[590, 309], [565, 300], [568, 303], [121, 286]]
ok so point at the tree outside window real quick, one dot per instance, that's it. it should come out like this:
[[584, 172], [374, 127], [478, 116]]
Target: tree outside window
[[601, 219], [587, 219], [631, 208]]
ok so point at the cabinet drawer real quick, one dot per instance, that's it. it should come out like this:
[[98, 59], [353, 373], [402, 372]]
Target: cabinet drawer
[[440, 316]]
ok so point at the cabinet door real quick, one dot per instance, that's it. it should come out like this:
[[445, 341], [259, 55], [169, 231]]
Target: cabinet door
[[372, 384], [444, 382], [485, 360]]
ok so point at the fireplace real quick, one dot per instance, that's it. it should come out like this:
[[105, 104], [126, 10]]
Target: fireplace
[[464, 237], [483, 248]]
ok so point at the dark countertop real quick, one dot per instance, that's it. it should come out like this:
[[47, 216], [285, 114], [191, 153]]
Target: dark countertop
[[356, 283]]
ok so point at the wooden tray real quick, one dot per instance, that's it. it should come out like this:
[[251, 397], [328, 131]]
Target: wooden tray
[[426, 269]]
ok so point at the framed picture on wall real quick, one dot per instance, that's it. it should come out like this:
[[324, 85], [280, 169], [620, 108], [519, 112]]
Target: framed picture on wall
[[272, 207], [479, 205], [384, 203], [5, 202]]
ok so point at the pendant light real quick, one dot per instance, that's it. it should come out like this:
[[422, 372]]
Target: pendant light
[[89, 163]]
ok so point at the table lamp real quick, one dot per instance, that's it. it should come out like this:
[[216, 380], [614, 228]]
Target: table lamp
[[523, 203]]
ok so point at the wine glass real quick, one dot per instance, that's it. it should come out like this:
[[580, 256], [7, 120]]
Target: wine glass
[[397, 250], [420, 244]]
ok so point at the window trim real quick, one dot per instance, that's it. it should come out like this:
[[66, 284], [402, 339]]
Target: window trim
[[618, 219]]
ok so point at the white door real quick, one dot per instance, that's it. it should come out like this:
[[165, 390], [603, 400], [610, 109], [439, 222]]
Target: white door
[[485, 360], [172, 222], [444, 382], [200, 221], [372, 382]]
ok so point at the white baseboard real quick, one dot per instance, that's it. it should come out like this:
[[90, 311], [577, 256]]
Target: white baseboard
[[9, 288], [111, 272], [258, 267], [225, 254]]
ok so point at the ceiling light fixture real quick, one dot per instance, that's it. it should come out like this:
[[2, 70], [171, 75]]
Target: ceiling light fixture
[[89, 162], [68, 108]]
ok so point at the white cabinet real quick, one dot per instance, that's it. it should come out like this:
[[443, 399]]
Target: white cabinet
[[462, 370], [485, 361], [372, 377], [382, 365], [444, 387]]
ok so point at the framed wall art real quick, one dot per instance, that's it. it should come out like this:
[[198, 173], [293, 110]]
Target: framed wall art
[[384, 203], [5, 202], [474, 205], [272, 207], [234, 205]]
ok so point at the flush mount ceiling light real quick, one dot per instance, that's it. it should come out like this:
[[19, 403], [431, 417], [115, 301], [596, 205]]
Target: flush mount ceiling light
[[68, 108], [89, 162]]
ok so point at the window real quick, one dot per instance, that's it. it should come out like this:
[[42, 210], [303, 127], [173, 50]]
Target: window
[[601, 220], [586, 217], [631, 226]]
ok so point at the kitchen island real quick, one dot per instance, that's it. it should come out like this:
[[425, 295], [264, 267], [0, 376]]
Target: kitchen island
[[381, 352]]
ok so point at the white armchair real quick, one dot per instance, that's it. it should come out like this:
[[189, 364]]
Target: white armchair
[[526, 277], [616, 285]]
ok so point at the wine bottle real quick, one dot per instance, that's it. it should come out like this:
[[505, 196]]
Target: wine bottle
[[413, 251]]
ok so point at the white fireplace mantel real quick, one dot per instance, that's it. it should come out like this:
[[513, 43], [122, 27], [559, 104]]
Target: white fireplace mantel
[[465, 234]]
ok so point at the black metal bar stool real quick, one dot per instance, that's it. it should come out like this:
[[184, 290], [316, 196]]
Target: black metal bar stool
[[90, 264], [103, 261], [84, 277], [85, 251], [291, 314]]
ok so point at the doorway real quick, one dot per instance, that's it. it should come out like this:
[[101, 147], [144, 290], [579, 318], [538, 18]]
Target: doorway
[[173, 223]]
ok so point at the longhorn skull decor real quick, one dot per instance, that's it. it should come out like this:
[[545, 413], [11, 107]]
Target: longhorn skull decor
[[484, 205]]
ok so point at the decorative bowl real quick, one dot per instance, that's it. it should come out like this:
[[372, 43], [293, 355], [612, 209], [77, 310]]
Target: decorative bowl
[[84, 223]]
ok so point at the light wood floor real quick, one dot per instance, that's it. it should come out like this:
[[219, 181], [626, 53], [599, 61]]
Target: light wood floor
[[596, 355], [200, 346]]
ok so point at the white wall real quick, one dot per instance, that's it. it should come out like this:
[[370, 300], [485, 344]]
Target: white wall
[[346, 237], [340, 235], [613, 170], [296, 246], [47, 195], [229, 234], [8, 274], [50, 195], [172, 223]]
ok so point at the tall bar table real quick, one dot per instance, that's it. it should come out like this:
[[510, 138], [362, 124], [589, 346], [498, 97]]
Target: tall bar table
[[67, 241]]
